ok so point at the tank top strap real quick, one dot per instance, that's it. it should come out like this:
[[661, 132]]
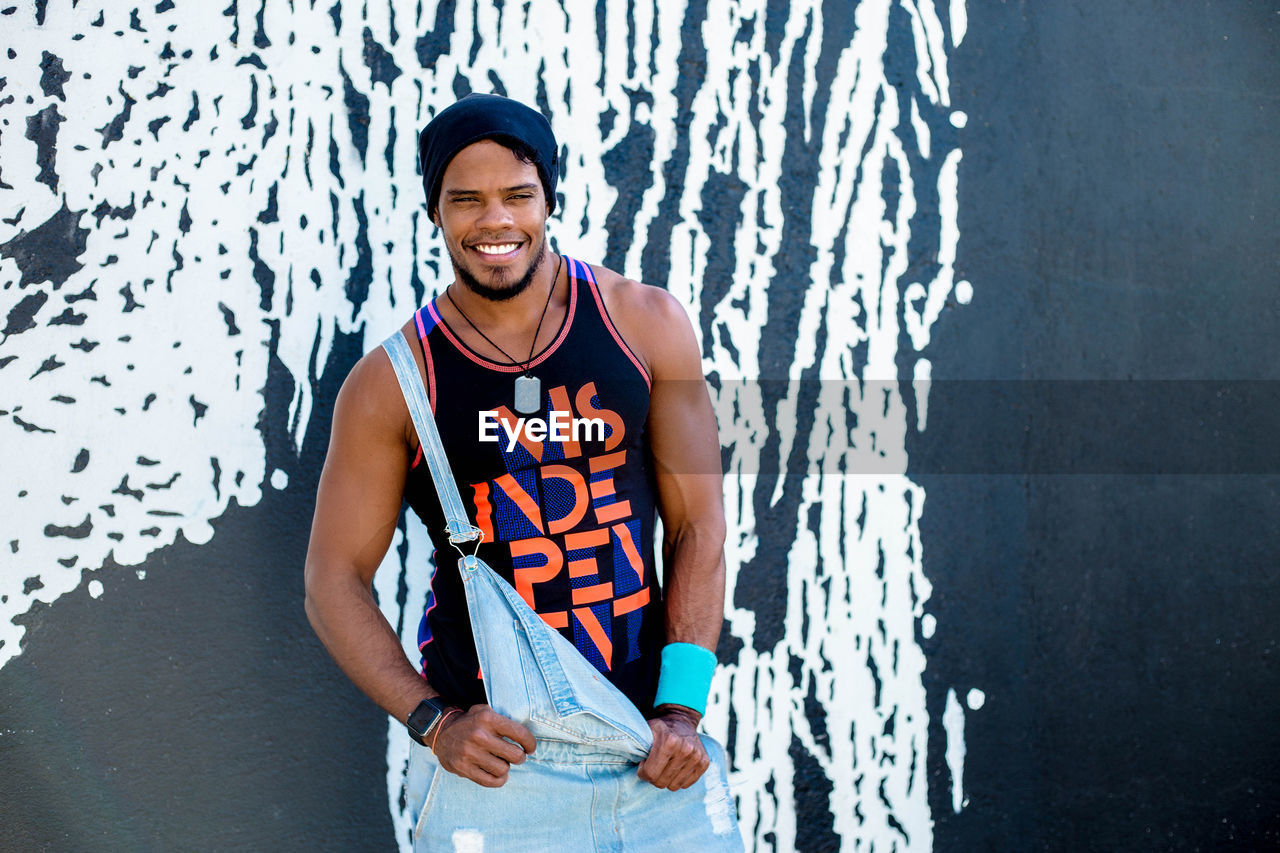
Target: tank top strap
[[583, 273]]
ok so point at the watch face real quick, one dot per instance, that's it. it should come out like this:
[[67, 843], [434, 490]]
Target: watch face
[[422, 718]]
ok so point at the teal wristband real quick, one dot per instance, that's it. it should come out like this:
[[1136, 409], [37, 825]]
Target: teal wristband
[[685, 677]]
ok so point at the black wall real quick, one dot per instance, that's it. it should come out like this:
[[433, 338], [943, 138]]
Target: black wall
[[1105, 552]]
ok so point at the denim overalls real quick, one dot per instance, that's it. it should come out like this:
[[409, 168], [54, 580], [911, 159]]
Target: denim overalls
[[579, 790]]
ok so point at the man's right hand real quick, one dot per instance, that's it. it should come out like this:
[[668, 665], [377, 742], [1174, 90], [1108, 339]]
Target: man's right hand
[[474, 744]]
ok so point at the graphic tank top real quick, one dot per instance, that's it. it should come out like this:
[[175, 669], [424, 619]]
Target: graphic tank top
[[565, 497]]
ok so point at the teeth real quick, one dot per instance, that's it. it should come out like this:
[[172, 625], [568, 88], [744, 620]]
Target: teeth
[[500, 249]]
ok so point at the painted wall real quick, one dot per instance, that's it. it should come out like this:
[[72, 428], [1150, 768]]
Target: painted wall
[[232, 198], [207, 214]]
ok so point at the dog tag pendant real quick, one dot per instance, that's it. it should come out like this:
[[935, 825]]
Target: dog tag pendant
[[528, 395]]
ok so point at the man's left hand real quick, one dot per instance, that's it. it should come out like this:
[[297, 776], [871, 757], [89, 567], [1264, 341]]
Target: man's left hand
[[677, 758]]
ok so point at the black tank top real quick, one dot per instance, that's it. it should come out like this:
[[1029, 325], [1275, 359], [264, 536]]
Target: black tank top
[[567, 510]]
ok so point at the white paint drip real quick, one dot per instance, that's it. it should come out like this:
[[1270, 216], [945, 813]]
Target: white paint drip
[[959, 21], [921, 129], [975, 699], [95, 589], [832, 583], [923, 305], [920, 384], [953, 723]]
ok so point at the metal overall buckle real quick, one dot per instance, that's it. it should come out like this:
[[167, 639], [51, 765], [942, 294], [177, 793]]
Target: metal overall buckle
[[470, 562]]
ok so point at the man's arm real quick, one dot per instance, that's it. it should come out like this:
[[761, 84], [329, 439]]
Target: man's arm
[[686, 456], [357, 506]]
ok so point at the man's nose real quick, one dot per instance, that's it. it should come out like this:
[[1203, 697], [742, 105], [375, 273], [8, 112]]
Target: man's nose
[[494, 215]]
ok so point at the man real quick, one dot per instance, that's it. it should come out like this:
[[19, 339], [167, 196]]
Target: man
[[570, 402]]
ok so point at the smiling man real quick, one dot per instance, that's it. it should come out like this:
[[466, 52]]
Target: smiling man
[[596, 384]]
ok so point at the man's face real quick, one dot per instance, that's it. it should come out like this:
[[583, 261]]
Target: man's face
[[493, 212]]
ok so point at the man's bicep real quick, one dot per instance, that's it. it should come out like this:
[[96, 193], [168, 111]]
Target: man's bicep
[[362, 483], [683, 437]]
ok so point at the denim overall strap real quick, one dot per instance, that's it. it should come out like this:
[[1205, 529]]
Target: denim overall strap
[[531, 673], [456, 522]]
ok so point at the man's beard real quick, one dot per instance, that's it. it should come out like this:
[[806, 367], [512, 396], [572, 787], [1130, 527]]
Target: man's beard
[[504, 292]]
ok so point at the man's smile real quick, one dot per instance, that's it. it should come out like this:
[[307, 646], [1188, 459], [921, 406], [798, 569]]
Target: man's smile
[[497, 251], [496, 248]]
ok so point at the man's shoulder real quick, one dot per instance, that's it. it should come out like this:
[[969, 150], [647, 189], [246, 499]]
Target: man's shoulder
[[372, 393], [372, 372], [645, 303], [653, 322]]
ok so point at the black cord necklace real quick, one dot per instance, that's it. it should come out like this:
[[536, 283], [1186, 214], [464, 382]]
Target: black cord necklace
[[528, 390]]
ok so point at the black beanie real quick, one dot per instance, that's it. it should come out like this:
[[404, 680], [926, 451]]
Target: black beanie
[[478, 117]]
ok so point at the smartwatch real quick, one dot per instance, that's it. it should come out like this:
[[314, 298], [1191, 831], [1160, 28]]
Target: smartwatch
[[425, 718]]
